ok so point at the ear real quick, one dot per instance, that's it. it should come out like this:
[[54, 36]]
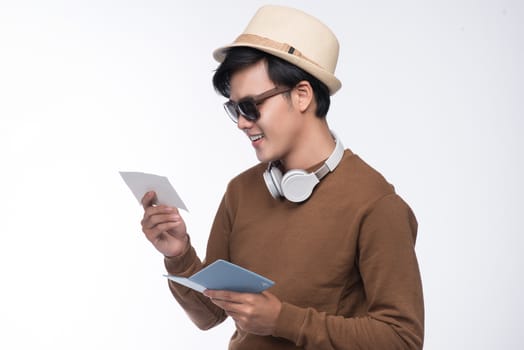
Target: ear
[[304, 96]]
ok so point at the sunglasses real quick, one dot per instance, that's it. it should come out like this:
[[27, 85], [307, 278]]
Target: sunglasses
[[247, 106]]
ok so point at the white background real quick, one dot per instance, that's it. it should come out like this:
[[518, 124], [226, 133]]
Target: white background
[[432, 97]]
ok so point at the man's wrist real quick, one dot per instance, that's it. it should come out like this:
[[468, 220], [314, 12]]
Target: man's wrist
[[181, 263], [185, 243]]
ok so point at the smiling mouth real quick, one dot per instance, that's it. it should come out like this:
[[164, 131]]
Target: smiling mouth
[[255, 138]]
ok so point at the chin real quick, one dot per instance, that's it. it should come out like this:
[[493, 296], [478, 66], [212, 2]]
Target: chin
[[264, 158], [261, 159]]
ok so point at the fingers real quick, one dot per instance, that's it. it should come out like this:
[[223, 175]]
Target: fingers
[[159, 219], [149, 199], [157, 215], [162, 231], [153, 214], [232, 303], [224, 295], [163, 226], [253, 313], [160, 222]]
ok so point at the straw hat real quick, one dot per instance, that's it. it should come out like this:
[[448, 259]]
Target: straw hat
[[295, 37]]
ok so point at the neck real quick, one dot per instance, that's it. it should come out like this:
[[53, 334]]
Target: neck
[[313, 145]]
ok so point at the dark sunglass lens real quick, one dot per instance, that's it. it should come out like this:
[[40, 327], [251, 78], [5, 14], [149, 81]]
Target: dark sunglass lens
[[249, 110], [231, 111]]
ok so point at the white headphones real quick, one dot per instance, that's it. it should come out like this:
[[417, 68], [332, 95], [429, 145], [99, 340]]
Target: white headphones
[[297, 185]]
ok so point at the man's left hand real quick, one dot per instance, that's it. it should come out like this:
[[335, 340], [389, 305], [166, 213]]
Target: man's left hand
[[253, 313]]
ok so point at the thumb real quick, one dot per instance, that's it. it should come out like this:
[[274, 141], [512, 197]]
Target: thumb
[[149, 199]]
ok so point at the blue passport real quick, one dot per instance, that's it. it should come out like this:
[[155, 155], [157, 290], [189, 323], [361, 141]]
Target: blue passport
[[223, 275]]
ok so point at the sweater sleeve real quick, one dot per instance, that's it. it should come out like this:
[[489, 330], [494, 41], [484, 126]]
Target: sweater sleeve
[[394, 318], [198, 307]]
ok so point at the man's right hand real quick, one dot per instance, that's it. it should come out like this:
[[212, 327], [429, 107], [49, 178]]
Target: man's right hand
[[164, 227]]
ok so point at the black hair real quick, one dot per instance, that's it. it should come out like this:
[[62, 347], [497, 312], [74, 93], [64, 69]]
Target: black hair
[[280, 72]]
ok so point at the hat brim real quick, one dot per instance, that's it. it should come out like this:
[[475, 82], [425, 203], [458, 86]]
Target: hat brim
[[321, 74]]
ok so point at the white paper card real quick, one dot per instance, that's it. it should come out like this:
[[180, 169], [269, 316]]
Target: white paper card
[[141, 183]]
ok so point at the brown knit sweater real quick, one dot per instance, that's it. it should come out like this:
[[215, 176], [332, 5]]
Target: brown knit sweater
[[343, 262]]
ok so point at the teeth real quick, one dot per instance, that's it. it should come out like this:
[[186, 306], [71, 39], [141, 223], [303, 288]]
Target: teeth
[[255, 137]]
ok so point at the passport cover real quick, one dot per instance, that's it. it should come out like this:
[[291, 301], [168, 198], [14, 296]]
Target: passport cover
[[223, 275]]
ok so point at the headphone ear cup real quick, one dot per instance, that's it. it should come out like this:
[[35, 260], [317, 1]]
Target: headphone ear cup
[[297, 185], [273, 179]]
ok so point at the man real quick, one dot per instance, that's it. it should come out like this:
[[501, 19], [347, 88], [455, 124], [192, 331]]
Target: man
[[313, 217]]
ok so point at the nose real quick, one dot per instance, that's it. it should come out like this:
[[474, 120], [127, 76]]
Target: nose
[[243, 123]]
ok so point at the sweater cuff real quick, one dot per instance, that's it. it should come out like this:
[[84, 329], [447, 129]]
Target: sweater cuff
[[184, 264], [290, 322]]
